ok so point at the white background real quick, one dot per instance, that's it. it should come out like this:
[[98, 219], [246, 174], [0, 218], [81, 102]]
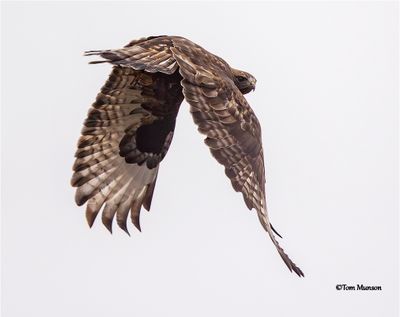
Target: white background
[[327, 101]]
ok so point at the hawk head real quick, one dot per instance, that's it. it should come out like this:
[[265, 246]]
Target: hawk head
[[244, 81]]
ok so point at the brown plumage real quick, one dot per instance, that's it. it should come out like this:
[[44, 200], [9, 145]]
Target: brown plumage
[[130, 126]]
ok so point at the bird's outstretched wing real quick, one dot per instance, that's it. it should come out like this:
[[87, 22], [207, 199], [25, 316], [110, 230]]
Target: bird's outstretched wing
[[232, 129], [127, 133]]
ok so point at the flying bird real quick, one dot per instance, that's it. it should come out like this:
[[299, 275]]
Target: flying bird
[[130, 126]]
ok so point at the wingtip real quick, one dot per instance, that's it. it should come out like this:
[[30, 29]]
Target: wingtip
[[268, 227], [124, 228], [136, 223], [108, 225], [290, 264], [298, 271], [90, 223], [91, 214], [127, 231]]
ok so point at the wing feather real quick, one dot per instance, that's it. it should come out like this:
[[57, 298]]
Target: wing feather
[[115, 169], [151, 55], [232, 130]]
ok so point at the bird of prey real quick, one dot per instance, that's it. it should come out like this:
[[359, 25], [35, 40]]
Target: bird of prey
[[130, 126]]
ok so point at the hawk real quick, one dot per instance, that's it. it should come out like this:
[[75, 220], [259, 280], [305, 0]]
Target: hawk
[[130, 126]]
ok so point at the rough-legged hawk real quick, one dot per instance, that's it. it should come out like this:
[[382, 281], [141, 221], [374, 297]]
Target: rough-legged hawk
[[130, 126]]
